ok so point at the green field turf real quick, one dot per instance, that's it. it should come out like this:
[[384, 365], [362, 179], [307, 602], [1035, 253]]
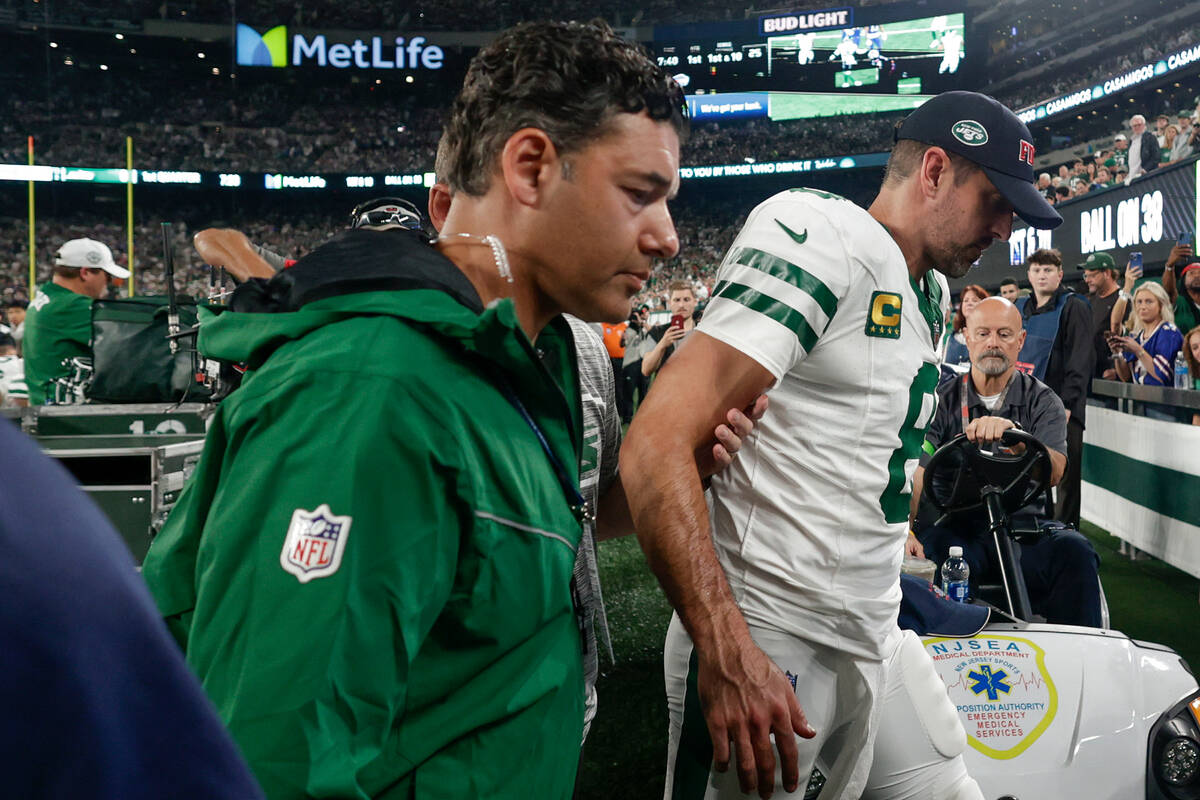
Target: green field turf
[[806, 105], [626, 752]]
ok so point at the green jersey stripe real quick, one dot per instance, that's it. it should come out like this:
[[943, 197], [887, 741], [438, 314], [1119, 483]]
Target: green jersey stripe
[[788, 272], [782, 313]]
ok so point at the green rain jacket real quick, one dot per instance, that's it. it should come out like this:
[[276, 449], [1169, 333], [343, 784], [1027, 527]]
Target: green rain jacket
[[369, 570], [58, 326]]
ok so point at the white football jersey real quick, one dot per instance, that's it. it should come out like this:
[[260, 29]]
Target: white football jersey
[[810, 519], [12, 381]]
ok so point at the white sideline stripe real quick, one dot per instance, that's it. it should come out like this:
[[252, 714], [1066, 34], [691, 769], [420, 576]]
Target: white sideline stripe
[[1167, 444], [527, 528], [1165, 538]]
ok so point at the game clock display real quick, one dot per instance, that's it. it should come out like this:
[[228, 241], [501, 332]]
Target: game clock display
[[915, 56]]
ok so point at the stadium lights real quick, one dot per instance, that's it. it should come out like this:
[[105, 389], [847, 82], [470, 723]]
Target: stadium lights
[[408, 78], [54, 44], [399, 129], [216, 71], [199, 55], [104, 67], [132, 52], [378, 81], [118, 36], [69, 62]]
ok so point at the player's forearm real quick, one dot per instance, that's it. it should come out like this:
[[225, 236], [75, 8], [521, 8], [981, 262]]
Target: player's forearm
[[612, 514], [671, 519]]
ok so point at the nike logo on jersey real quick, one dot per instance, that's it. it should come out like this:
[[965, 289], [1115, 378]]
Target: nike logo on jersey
[[798, 238]]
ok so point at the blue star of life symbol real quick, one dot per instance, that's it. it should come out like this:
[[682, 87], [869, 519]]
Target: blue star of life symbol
[[991, 682]]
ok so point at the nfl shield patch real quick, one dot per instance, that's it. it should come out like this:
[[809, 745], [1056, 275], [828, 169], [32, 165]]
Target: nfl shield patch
[[315, 543]]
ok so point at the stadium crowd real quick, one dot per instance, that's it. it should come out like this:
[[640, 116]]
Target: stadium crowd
[[293, 236], [457, 15], [1084, 76]]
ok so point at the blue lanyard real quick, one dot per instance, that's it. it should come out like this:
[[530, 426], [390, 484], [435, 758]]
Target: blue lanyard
[[579, 507]]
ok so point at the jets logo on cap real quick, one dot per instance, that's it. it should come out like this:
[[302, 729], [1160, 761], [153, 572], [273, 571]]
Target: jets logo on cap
[[93, 257], [1026, 153], [970, 133]]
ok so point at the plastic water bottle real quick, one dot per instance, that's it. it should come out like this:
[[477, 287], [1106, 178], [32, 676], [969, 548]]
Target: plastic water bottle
[[1181, 372], [955, 574]]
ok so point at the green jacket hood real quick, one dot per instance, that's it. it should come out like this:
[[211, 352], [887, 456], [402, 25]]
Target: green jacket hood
[[359, 273]]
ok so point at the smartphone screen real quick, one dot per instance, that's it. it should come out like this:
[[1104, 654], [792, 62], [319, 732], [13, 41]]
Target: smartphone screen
[[1185, 237], [1135, 260]]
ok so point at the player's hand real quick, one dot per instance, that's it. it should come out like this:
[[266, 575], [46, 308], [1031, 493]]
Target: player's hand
[[729, 435], [986, 430], [913, 548], [746, 698]]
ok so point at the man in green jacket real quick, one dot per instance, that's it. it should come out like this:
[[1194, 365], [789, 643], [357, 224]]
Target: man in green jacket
[[370, 570], [58, 325]]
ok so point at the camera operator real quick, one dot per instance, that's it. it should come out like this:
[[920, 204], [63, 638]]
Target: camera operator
[[638, 343]]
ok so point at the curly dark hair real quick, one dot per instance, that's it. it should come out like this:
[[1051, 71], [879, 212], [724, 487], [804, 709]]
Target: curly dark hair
[[569, 79]]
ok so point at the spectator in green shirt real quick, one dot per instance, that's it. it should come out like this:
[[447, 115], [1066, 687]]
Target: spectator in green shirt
[[58, 325]]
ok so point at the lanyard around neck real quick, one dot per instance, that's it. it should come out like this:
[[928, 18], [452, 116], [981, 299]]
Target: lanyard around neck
[[966, 379], [579, 507]]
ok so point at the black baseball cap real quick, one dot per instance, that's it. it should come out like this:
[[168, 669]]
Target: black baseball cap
[[983, 131]]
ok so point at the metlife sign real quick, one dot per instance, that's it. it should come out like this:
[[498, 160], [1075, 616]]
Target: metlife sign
[[275, 48], [1112, 85]]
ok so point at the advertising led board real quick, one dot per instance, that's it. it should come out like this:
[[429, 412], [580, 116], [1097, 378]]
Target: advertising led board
[[866, 49], [1145, 217]]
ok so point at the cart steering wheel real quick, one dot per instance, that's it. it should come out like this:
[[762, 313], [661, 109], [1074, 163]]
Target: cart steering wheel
[[960, 470]]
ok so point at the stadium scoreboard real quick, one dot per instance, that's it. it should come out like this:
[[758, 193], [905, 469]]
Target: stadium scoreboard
[[867, 50], [863, 49]]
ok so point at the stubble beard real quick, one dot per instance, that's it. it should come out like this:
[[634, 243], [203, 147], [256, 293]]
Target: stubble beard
[[955, 262]]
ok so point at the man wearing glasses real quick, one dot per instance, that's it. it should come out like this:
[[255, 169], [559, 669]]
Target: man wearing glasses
[[1061, 568]]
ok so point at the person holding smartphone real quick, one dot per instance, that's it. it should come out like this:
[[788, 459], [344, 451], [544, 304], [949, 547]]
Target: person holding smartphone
[[1181, 279], [1148, 356], [681, 302]]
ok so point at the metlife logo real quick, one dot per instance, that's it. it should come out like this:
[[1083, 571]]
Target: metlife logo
[[275, 48]]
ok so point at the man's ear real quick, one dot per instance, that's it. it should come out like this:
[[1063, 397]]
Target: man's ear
[[528, 164], [439, 205], [935, 168]]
